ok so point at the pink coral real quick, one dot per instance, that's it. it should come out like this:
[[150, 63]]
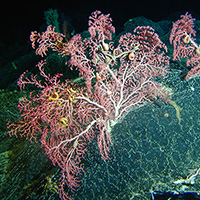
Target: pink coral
[[66, 116], [183, 39], [48, 39]]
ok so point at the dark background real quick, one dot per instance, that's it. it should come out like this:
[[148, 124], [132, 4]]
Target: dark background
[[19, 18]]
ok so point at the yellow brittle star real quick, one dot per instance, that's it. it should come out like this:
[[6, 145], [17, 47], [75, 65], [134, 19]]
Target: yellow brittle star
[[64, 122], [54, 97]]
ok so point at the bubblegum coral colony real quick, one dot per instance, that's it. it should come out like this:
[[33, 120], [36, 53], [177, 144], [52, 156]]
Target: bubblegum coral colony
[[65, 116]]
